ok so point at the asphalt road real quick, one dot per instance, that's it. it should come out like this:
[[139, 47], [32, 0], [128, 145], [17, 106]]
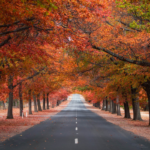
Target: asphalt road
[[75, 128]]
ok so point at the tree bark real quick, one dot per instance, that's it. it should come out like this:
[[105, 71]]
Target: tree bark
[[135, 105], [113, 107], [53, 103], [30, 107], [99, 105], [146, 108], [20, 98], [110, 109], [47, 101], [57, 103], [104, 105], [146, 87], [35, 104], [43, 100], [3, 105], [38, 102], [126, 109], [118, 106], [94, 104], [10, 103]]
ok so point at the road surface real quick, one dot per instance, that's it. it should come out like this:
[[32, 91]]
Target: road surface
[[75, 128]]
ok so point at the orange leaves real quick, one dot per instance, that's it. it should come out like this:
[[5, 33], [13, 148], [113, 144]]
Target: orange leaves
[[3, 92], [39, 32]]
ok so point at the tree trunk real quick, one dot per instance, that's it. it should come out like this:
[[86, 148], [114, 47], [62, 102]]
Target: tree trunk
[[104, 105], [47, 101], [126, 110], [43, 100], [118, 106], [16, 104], [146, 108], [57, 103], [94, 104], [99, 105], [38, 102], [113, 107], [10, 103], [20, 98], [135, 105], [35, 104], [30, 107], [110, 109], [53, 105], [3, 105], [146, 87]]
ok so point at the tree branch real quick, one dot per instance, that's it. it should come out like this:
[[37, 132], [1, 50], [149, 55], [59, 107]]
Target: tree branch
[[140, 63], [128, 25], [29, 77], [15, 23], [5, 41], [17, 30]]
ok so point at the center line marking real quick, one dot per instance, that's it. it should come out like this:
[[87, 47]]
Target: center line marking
[[76, 122], [76, 128], [76, 141]]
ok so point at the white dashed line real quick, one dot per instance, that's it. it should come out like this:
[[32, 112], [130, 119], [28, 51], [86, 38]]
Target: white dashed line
[[76, 141], [76, 128], [76, 122]]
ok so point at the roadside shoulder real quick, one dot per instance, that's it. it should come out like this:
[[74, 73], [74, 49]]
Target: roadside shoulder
[[139, 128]]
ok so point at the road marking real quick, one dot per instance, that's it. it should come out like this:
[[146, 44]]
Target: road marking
[[76, 133], [76, 141], [76, 128], [76, 122]]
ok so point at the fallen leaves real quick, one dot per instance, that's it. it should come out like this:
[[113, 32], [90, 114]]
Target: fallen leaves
[[9, 128], [139, 128]]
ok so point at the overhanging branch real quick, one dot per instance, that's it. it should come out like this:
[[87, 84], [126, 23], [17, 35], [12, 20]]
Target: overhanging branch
[[140, 63], [29, 77]]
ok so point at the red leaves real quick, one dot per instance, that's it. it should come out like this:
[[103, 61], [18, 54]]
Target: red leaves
[[9, 128]]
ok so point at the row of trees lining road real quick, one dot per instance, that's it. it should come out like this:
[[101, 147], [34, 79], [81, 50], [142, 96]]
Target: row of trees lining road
[[33, 35], [124, 37], [116, 61], [49, 45]]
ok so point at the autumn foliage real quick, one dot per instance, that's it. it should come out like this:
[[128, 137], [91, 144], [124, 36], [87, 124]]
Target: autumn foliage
[[50, 47]]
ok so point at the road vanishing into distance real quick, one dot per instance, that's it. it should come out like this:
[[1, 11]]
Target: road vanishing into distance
[[75, 128]]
